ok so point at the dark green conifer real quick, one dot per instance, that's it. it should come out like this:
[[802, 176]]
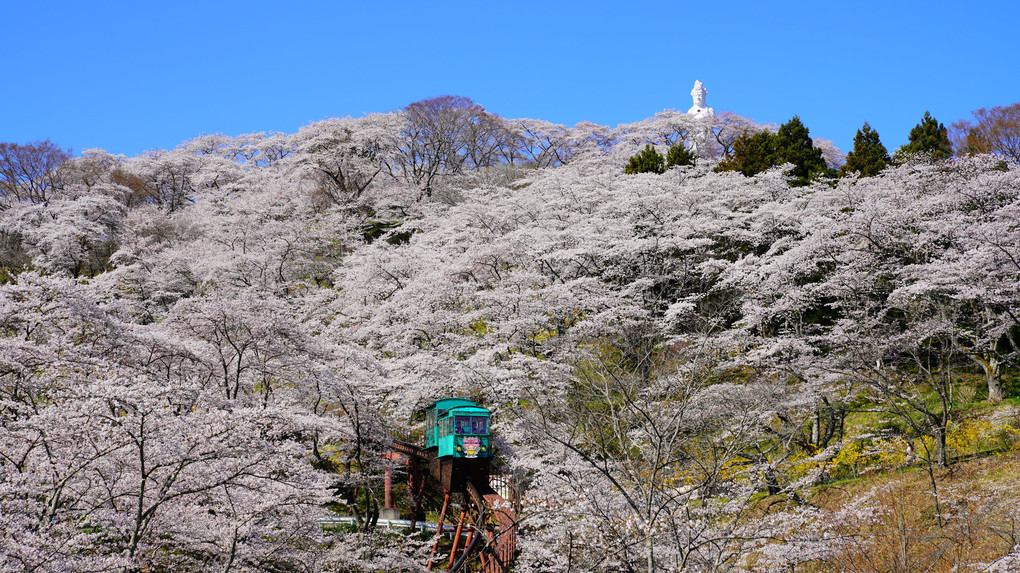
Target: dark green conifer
[[928, 137], [752, 153], [869, 156], [679, 155], [794, 145], [648, 161]]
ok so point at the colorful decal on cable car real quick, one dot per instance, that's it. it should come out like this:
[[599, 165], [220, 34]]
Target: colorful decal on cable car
[[472, 446]]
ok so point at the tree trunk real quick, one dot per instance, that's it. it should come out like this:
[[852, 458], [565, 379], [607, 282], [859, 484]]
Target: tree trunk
[[651, 557], [993, 374], [940, 439], [992, 368], [816, 423]]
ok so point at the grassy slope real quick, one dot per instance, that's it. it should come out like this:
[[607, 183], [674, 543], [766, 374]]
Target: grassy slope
[[916, 517]]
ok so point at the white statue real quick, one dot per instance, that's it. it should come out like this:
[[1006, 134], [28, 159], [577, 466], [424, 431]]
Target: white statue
[[700, 109], [700, 135]]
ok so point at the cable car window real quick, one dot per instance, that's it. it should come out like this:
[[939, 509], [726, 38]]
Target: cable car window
[[479, 425], [472, 425]]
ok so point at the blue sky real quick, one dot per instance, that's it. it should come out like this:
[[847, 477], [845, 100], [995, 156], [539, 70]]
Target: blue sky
[[133, 76]]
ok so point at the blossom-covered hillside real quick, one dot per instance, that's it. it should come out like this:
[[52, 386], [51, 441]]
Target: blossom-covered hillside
[[206, 350]]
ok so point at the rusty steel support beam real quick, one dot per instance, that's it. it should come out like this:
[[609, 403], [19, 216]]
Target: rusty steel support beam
[[456, 537], [388, 502], [388, 490], [439, 529]]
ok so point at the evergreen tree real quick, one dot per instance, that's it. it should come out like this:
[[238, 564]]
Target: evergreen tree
[[755, 153], [679, 155], [752, 153], [648, 161], [794, 146], [929, 137], [869, 156]]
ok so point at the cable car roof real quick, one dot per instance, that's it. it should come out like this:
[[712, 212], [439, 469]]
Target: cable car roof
[[458, 403]]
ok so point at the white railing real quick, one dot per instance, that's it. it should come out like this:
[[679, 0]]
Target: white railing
[[390, 524]]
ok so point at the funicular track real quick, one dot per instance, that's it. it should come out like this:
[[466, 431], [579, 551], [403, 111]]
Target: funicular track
[[486, 532]]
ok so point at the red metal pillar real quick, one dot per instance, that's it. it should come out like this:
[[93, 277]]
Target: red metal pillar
[[388, 490], [470, 536], [439, 529], [388, 502], [456, 537]]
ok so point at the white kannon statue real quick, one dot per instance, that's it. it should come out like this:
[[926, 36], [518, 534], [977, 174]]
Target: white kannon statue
[[700, 109]]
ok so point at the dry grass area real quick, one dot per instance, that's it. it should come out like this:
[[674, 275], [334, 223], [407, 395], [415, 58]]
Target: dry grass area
[[899, 522]]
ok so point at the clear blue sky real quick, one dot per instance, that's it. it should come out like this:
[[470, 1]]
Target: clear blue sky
[[132, 76]]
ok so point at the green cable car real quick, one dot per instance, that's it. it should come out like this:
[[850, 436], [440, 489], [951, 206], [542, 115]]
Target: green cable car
[[457, 428]]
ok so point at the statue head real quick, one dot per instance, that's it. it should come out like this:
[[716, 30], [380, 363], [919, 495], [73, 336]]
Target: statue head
[[698, 93]]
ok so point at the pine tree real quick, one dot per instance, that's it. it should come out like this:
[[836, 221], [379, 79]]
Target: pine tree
[[679, 155], [928, 137], [869, 156], [794, 146], [648, 161], [755, 153], [752, 153]]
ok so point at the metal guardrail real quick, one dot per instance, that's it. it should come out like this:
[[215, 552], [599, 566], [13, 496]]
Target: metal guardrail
[[389, 524]]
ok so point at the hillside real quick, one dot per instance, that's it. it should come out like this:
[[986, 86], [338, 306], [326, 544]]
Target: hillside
[[205, 349]]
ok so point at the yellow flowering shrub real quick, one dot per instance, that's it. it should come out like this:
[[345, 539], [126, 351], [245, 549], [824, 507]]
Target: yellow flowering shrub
[[970, 437]]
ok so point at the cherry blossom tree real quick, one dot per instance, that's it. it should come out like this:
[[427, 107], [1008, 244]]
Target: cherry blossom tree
[[343, 157], [74, 235], [203, 349]]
